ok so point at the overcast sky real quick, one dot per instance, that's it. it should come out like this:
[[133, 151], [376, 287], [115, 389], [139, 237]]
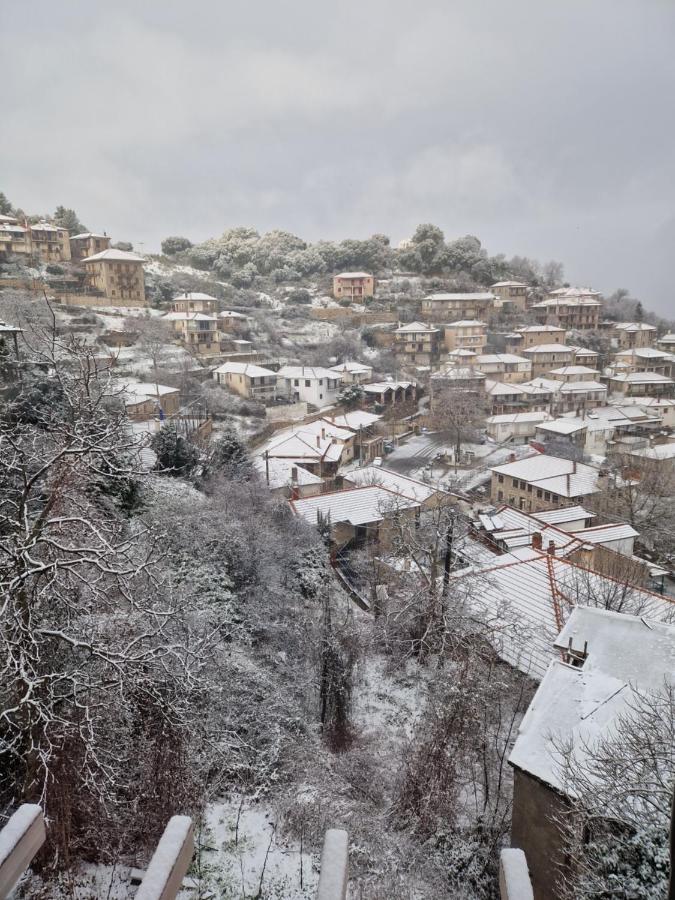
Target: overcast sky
[[544, 127]]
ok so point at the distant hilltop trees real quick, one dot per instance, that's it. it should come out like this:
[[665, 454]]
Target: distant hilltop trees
[[242, 254]]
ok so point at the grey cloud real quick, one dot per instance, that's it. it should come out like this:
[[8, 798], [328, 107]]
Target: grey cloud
[[545, 128]]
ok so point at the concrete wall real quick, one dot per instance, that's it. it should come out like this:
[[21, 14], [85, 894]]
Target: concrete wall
[[532, 830]]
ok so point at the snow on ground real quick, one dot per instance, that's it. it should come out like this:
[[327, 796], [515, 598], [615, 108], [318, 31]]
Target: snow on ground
[[243, 854], [385, 708]]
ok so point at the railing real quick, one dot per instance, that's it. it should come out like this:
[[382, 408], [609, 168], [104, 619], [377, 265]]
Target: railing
[[25, 833]]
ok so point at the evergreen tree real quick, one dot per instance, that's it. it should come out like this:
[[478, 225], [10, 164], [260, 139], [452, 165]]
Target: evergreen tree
[[175, 455], [67, 218], [6, 208]]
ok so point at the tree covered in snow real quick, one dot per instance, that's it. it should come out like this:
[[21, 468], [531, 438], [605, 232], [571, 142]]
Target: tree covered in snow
[[67, 218], [228, 454], [173, 245], [175, 454], [98, 661], [621, 788]]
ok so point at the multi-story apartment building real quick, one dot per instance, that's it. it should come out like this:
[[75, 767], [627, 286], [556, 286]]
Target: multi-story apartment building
[[198, 331], [532, 335], [575, 309], [248, 380], [354, 286], [87, 244], [193, 302], [444, 307], [417, 344], [42, 242], [506, 367], [542, 482], [117, 275], [644, 359], [545, 357], [467, 334], [626, 335], [309, 384], [511, 294]]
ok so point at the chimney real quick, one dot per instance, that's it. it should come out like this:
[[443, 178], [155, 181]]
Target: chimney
[[512, 457], [318, 441], [537, 540], [294, 474], [574, 466], [323, 433], [551, 548]]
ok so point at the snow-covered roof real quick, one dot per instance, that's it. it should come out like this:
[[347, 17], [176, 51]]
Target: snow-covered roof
[[408, 487], [230, 314], [564, 477], [466, 323], [583, 352], [499, 389], [46, 226], [667, 338], [542, 385], [634, 326], [574, 370], [564, 426], [577, 705], [187, 317], [378, 387], [353, 275], [302, 446], [657, 452], [574, 292], [644, 353], [313, 373], [416, 328], [459, 373], [112, 255], [642, 378], [509, 284], [567, 514], [355, 420], [462, 353], [529, 600], [358, 506], [602, 534], [248, 369], [86, 235], [515, 418], [484, 359], [535, 329], [194, 295], [14, 228], [547, 348], [353, 368], [479, 295], [581, 387], [280, 472], [9, 329]]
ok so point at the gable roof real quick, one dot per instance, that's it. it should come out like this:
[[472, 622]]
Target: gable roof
[[551, 473], [357, 506], [577, 705], [112, 255]]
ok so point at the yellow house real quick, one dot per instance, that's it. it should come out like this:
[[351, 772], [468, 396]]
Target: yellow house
[[88, 244], [198, 331], [117, 275], [194, 302], [466, 334], [354, 286], [626, 335], [417, 344], [49, 243], [511, 293]]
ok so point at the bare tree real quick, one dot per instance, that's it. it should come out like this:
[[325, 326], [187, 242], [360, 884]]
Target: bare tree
[[620, 787], [461, 412], [90, 641]]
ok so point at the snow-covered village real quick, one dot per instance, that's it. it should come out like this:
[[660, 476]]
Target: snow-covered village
[[337, 551]]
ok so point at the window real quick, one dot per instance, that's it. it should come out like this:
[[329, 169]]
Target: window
[[320, 396], [529, 489], [539, 493], [500, 479], [515, 482], [522, 485], [296, 383], [307, 382], [547, 495], [500, 495]]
